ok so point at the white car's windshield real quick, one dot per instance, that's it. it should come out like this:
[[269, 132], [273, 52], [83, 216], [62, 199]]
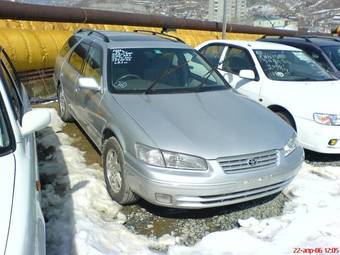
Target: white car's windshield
[[284, 65], [161, 70], [4, 135], [333, 52]]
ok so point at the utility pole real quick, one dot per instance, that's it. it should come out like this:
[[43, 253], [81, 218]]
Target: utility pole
[[224, 27]]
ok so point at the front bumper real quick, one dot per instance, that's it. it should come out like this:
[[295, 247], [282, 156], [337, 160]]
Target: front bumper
[[212, 188], [315, 137]]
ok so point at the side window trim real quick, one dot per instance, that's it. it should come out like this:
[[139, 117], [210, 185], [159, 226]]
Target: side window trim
[[12, 144], [224, 53], [19, 115], [16, 78]]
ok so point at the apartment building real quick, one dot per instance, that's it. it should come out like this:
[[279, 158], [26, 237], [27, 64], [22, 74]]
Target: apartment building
[[236, 10]]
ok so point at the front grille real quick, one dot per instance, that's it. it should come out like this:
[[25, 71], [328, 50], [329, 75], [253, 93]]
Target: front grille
[[249, 162]]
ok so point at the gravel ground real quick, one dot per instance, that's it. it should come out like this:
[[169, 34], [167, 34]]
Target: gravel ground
[[192, 225], [188, 225]]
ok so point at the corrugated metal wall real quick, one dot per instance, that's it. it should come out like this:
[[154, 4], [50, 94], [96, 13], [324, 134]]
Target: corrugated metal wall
[[34, 45]]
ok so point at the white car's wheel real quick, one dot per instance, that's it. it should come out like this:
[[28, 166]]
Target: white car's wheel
[[113, 163], [287, 118]]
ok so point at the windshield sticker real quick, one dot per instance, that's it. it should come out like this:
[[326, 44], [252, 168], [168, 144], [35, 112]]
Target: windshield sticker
[[121, 57], [120, 84], [279, 74]]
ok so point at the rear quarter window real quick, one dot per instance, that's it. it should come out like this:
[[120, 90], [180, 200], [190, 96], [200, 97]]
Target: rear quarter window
[[212, 53], [73, 40]]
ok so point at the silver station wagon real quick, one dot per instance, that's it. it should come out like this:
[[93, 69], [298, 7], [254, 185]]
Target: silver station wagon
[[169, 128]]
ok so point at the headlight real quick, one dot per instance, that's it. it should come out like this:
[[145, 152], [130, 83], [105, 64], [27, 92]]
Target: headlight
[[327, 119], [156, 157], [149, 155], [291, 145], [178, 160]]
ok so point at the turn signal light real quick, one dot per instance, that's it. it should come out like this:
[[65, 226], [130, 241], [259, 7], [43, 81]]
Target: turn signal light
[[332, 142]]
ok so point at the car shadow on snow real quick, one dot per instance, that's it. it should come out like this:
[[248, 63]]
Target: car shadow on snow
[[56, 203]]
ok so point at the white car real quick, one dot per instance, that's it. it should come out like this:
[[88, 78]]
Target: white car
[[22, 226], [288, 82]]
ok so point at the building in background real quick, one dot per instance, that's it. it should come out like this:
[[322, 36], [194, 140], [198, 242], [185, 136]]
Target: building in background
[[236, 10], [276, 22]]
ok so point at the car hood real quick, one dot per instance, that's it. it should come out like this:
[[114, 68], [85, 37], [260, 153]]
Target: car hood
[[207, 124], [7, 174]]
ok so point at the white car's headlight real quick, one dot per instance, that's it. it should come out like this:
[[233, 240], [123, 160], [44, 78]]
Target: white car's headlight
[[291, 145], [327, 119], [157, 157]]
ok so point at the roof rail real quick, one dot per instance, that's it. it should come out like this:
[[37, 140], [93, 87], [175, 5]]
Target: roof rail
[[91, 31], [159, 34], [326, 37], [306, 38]]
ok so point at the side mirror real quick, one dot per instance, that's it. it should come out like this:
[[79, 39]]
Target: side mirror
[[35, 120], [88, 83], [247, 74]]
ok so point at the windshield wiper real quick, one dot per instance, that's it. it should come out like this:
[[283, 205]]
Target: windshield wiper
[[207, 76], [164, 74]]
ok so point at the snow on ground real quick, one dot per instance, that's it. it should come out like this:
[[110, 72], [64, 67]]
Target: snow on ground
[[82, 219], [310, 220]]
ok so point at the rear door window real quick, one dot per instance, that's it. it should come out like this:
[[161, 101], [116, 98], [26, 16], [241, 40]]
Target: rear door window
[[78, 56]]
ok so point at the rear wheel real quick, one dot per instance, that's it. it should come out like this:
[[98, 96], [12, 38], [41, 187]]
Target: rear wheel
[[287, 118], [114, 174], [63, 107]]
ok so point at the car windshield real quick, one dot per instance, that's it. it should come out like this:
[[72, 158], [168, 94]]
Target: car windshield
[[4, 135], [161, 70], [284, 65], [333, 52]]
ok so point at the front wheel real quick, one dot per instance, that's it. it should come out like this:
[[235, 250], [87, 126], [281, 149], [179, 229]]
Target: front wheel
[[114, 175]]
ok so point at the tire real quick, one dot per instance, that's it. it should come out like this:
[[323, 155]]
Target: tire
[[114, 174], [63, 107], [287, 118]]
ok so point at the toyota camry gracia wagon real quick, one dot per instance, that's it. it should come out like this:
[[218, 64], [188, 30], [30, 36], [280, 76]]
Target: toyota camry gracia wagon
[[169, 128]]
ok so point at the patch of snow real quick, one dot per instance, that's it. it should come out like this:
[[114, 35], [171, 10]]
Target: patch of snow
[[310, 220], [82, 219]]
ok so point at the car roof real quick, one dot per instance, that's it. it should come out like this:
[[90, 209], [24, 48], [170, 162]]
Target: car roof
[[318, 41], [256, 45], [134, 39]]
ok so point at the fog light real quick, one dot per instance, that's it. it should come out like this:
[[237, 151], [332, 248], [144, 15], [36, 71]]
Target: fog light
[[332, 142], [163, 198]]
